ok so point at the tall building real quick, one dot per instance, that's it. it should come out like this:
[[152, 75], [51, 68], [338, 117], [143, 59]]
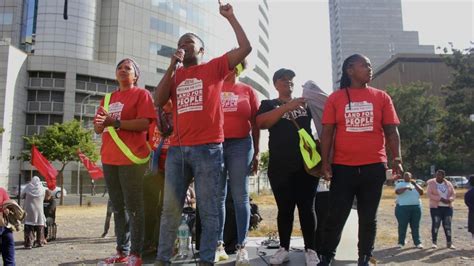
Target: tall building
[[372, 28], [60, 60]]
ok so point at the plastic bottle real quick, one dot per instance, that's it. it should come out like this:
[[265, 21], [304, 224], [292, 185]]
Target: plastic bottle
[[183, 238]]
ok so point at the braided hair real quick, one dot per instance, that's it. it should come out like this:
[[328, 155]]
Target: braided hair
[[345, 82]]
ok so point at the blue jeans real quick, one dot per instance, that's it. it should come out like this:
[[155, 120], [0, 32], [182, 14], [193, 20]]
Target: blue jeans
[[408, 214], [125, 186], [8, 246], [205, 164], [238, 155]]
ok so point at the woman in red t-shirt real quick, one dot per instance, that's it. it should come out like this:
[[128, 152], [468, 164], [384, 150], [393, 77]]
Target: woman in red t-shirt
[[129, 114], [240, 105], [357, 119]]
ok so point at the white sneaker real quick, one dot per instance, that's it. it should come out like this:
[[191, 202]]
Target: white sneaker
[[434, 246], [419, 246], [280, 256], [220, 254], [451, 246], [242, 258], [311, 257], [400, 246]]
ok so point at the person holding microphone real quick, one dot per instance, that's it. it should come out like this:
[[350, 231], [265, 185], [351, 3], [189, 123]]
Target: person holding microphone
[[196, 145]]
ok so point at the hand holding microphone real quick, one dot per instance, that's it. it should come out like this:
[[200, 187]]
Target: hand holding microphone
[[178, 57]]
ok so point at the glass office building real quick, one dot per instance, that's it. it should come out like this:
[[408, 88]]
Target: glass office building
[[372, 28], [60, 61]]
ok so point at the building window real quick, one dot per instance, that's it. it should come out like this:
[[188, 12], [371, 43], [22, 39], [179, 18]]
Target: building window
[[163, 50], [262, 73], [263, 43], [263, 14], [6, 18], [263, 28], [262, 57], [160, 70]]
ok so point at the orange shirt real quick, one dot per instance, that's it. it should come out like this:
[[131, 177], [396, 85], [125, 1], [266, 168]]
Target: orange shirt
[[197, 112], [131, 104], [360, 138], [240, 104]]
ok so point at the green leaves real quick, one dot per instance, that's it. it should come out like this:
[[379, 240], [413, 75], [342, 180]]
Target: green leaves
[[437, 129], [61, 141]]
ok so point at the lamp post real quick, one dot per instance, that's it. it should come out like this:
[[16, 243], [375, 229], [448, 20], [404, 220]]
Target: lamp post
[[79, 163]]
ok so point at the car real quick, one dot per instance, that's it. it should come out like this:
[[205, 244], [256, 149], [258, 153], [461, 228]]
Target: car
[[421, 182], [56, 192], [458, 181]]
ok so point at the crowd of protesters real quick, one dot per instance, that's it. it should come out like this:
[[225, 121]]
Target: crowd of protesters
[[202, 126]]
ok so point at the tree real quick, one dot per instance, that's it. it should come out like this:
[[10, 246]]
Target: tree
[[1, 130], [457, 129], [263, 162], [60, 142], [419, 115]]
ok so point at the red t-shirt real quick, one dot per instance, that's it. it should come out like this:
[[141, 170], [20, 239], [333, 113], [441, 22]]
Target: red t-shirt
[[360, 138], [127, 105], [196, 96], [3, 197], [240, 104]]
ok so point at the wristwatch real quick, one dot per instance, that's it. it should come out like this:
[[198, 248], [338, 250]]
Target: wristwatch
[[117, 124]]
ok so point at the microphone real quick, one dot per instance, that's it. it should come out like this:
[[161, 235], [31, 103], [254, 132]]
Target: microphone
[[178, 62]]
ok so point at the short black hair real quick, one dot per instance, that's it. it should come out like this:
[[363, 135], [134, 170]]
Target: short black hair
[[195, 36]]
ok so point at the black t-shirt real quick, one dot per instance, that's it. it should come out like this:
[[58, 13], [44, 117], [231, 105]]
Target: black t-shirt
[[284, 140]]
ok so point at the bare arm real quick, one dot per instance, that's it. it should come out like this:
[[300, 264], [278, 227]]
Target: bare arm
[[401, 190], [393, 142], [162, 90], [418, 188], [256, 144], [235, 56], [270, 118], [327, 137]]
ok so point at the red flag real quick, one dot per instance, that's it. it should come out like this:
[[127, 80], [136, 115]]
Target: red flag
[[95, 171], [44, 167]]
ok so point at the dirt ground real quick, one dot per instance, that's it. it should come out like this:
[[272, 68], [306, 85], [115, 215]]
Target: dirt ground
[[386, 250], [80, 228]]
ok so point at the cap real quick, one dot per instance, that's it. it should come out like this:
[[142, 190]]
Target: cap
[[283, 72]]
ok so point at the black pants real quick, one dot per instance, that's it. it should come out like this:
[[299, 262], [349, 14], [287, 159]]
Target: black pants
[[442, 215], [296, 189], [321, 204], [364, 182]]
